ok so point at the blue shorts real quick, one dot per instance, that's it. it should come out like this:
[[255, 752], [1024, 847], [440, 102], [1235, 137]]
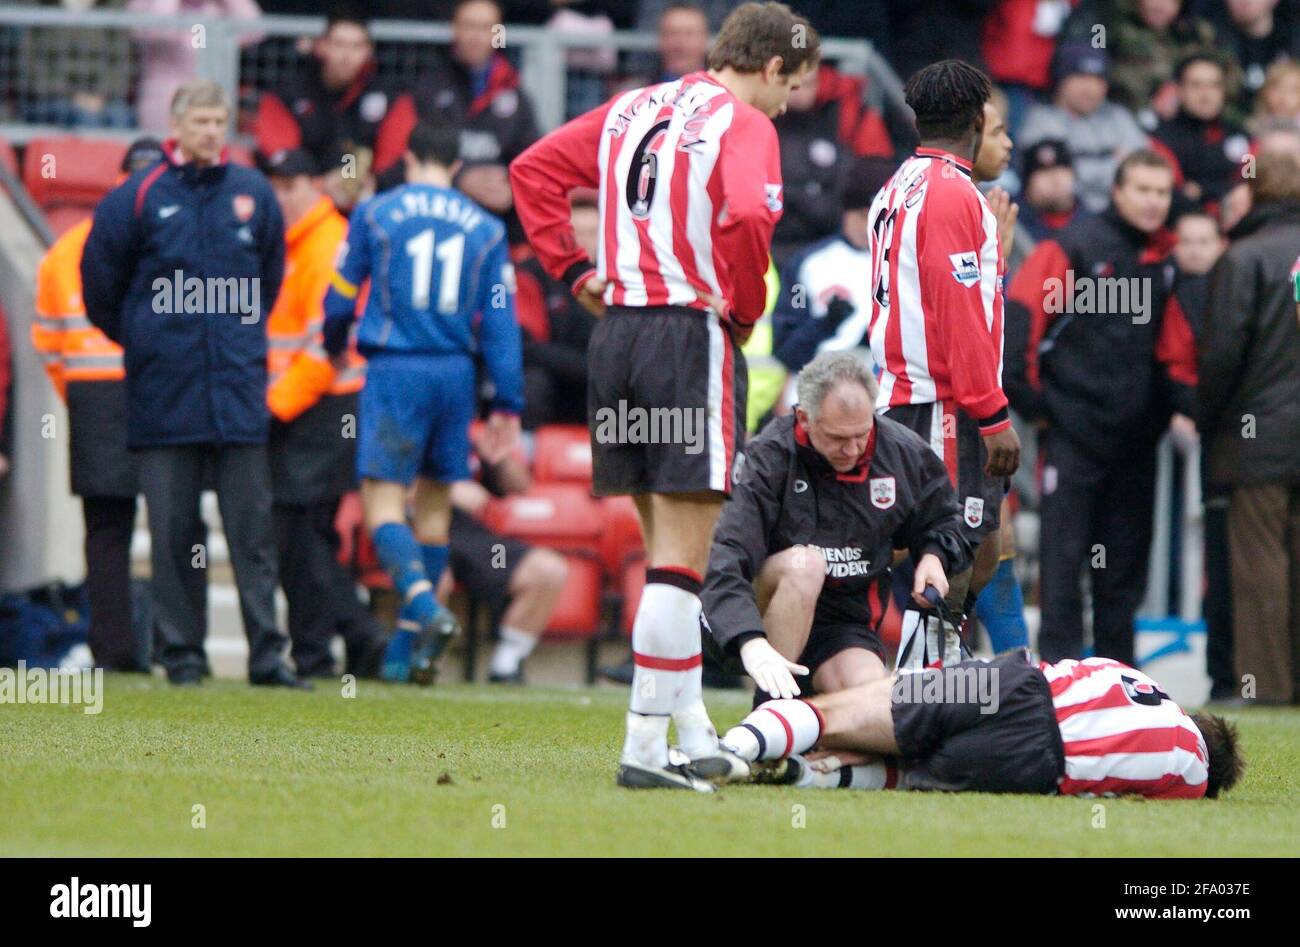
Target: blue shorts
[[415, 415]]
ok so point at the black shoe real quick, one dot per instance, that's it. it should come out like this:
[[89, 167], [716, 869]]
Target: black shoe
[[281, 677], [517, 678], [673, 776], [189, 677]]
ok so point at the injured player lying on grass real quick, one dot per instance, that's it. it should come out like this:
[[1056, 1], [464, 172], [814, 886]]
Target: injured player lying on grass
[[1091, 727]]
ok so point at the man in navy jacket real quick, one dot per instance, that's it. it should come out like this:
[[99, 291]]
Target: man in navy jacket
[[182, 265]]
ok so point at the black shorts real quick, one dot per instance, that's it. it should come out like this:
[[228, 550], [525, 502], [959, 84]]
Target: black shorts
[[958, 443], [482, 561], [665, 402], [827, 640], [951, 744]]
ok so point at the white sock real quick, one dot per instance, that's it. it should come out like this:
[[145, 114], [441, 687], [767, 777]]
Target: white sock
[[696, 734], [646, 742], [665, 652], [775, 729], [511, 650], [877, 775], [882, 774]]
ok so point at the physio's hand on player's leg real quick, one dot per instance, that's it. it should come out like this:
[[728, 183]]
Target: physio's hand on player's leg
[[1004, 452], [929, 571], [771, 672]]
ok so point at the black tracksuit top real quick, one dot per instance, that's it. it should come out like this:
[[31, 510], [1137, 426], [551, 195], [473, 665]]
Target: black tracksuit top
[[787, 494]]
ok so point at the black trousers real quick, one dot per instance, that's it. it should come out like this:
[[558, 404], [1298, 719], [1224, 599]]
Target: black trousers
[[1096, 514], [322, 596], [172, 479], [109, 524], [1217, 604]]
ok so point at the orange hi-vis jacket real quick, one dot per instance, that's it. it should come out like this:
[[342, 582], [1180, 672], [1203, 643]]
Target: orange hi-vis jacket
[[70, 347], [300, 370]]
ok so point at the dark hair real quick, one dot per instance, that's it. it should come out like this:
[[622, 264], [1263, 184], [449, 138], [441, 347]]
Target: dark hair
[[1221, 743], [1142, 158], [947, 96], [434, 143], [346, 13], [1200, 55], [755, 32]]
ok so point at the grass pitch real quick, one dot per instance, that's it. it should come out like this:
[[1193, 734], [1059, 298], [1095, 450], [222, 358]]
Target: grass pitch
[[463, 770]]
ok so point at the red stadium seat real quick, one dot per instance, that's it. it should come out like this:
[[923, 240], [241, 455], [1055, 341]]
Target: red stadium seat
[[620, 536], [71, 171], [559, 515], [577, 613], [632, 585], [562, 454], [63, 219]]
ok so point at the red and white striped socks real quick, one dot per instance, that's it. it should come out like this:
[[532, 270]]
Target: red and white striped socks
[[666, 683], [777, 728]]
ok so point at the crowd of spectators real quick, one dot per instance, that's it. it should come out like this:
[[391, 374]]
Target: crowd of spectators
[[1206, 90]]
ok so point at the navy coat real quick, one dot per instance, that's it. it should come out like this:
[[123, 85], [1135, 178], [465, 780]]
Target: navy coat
[[181, 268]]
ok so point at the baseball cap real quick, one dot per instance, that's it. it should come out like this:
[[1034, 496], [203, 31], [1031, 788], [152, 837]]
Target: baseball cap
[[1048, 153], [289, 163], [1074, 59], [141, 153]]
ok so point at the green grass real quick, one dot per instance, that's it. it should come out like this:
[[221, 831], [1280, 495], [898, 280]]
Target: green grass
[[403, 771]]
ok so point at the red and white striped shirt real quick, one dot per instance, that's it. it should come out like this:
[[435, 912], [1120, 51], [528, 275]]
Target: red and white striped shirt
[[689, 179], [936, 290], [1122, 733]]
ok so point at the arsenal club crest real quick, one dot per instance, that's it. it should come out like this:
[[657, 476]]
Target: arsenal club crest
[[244, 206], [883, 492], [974, 511]]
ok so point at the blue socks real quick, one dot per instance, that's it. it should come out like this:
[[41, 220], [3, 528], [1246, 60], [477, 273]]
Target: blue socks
[[1001, 609], [435, 560]]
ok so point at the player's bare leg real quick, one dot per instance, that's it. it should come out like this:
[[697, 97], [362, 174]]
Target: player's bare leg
[[534, 589], [666, 684], [786, 592], [851, 668]]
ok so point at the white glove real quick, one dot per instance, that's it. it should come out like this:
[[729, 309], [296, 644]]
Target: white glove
[[770, 671]]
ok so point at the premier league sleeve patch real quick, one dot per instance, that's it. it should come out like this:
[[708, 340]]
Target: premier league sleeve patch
[[965, 268]]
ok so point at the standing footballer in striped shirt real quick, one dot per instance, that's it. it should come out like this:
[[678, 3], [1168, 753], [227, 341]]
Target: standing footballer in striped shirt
[[689, 175], [1079, 728], [936, 303]]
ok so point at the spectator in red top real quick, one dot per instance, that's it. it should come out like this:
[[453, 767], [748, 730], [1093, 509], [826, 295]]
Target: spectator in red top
[[1019, 42], [474, 88], [334, 111]]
